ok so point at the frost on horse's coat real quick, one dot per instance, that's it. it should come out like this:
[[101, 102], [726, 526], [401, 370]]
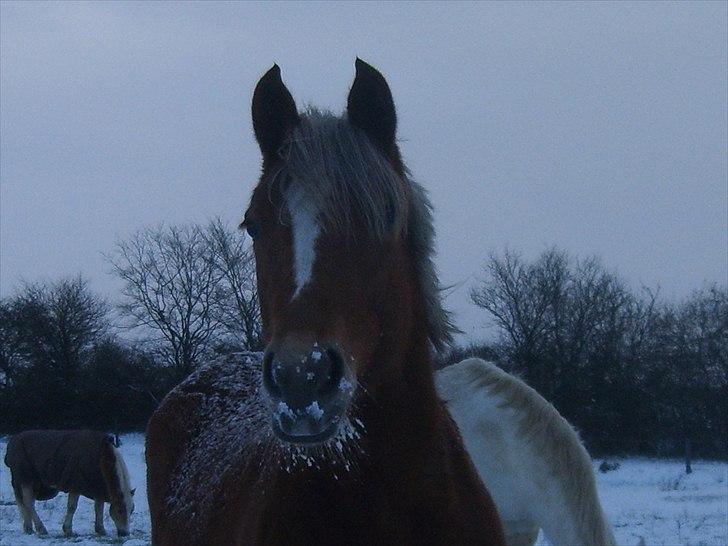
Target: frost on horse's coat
[[220, 430], [222, 427], [529, 457]]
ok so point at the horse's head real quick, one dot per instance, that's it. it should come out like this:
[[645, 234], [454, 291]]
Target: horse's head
[[120, 512], [342, 242], [121, 495]]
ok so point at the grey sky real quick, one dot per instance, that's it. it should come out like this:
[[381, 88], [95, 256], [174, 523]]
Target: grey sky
[[599, 128]]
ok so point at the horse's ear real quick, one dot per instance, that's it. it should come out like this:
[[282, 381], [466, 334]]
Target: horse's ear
[[370, 107], [274, 113], [133, 491]]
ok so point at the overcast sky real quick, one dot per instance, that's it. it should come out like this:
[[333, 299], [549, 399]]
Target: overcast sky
[[598, 128]]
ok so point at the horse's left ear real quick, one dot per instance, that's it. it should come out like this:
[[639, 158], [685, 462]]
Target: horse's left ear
[[370, 107], [133, 491], [274, 113]]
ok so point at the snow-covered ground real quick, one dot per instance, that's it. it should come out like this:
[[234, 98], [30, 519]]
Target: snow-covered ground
[[656, 500], [646, 498]]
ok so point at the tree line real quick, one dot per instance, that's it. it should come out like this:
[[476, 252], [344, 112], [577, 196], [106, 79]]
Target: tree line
[[634, 373], [68, 358]]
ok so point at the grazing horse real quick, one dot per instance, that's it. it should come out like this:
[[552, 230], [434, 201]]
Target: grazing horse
[[78, 462], [337, 435], [529, 457]]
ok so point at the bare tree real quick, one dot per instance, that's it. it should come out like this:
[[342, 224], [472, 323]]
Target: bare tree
[[193, 286], [238, 308], [47, 336], [51, 328], [625, 368], [78, 319], [705, 315], [689, 355], [518, 297], [170, 287], [563, 322], [11, 358]]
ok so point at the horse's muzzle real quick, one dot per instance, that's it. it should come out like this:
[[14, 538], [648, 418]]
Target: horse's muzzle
[[308, 393]]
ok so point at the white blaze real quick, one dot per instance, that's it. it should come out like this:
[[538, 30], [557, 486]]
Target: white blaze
[[305, 231]]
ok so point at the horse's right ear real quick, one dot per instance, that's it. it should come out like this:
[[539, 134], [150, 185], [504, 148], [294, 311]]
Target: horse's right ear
[[274, 113], [370, 107]]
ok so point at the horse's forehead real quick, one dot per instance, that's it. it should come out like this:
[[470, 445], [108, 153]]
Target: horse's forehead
[[305, 231]]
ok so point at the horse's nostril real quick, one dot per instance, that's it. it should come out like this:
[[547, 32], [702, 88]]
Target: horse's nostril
[[336, 371], [269, 381]]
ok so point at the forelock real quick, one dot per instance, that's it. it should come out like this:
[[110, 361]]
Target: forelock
[[343, 177]]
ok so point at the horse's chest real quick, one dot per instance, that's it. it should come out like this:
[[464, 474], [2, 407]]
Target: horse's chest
[[311, 515], [355, 516]]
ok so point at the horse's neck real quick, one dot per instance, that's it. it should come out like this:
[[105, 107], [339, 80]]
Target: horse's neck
[[405, 404]]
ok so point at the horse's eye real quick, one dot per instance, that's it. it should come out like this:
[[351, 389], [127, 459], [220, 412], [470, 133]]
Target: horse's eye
[[253, 228]]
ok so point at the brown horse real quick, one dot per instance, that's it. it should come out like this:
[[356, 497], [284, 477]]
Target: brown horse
[[79, 462], [337, 436]]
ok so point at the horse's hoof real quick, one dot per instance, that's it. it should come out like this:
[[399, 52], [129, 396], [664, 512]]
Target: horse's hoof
[[100, 531], [68, 532], [42, 531], [28, 529]]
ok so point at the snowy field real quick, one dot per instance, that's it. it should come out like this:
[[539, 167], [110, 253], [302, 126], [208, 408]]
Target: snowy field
[[653, 499]]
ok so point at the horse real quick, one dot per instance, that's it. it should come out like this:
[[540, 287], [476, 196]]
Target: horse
[[336, 434], [78, 462], [529, 457]]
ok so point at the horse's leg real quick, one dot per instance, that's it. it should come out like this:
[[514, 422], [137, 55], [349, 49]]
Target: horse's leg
[[70, 510], [99, 510], [24, 512], [29, 502]]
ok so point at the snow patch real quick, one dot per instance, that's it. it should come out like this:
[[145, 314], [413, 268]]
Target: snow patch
[[315, 411], [283, 409]]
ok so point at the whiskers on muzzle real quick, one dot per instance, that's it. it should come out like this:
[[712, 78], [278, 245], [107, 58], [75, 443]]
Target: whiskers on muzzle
[[340, 453]]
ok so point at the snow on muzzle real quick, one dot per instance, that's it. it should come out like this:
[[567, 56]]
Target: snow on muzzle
[[308, 392]]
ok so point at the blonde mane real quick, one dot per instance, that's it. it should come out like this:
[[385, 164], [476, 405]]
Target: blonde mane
[[543, 430], [116, 476], [122, 473]]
